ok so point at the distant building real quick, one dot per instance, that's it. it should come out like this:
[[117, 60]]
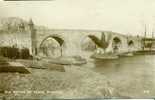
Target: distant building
[[148, 43]]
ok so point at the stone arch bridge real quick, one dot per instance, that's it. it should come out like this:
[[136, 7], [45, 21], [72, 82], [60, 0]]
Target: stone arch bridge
[[71, 41]]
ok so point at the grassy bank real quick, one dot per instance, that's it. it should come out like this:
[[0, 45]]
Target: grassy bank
[[75, 82]]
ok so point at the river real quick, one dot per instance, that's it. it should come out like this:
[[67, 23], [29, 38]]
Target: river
[[130, 76]]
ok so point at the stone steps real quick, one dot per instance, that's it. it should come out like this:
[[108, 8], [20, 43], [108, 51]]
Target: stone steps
[[12, 67], [3, 63]]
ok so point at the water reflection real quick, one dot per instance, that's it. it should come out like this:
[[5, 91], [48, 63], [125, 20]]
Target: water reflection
[[131, 76]]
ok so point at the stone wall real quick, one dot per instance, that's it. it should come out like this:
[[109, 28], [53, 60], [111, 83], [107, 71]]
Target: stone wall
[[18, 39]]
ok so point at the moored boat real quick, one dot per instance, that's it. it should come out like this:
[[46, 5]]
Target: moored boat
[[127, 54], [145, 52], [105, 56]]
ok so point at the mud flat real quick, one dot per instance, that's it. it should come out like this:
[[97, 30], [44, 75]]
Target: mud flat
[[74, 82]]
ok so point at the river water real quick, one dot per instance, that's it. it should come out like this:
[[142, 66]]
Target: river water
[[130, 76]]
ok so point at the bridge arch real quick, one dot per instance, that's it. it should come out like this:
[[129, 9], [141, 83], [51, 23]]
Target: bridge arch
[[90, 43], [52, 45], [130, 43], [116, 44]]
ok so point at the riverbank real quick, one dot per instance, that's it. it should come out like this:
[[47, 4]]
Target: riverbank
[[74, 82]]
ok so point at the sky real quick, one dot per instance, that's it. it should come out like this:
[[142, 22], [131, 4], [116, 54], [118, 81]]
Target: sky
[[123, 16]]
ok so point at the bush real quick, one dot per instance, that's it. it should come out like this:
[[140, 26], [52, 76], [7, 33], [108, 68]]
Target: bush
[[25, 53], [14, 53]]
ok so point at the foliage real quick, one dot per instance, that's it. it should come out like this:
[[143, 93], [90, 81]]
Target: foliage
[[12, 24], [14, 53]]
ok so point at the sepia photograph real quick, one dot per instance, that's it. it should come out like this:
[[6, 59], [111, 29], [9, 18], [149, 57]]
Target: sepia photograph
[[77, 49]]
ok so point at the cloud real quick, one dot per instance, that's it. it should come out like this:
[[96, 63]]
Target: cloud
[[124, 16]]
